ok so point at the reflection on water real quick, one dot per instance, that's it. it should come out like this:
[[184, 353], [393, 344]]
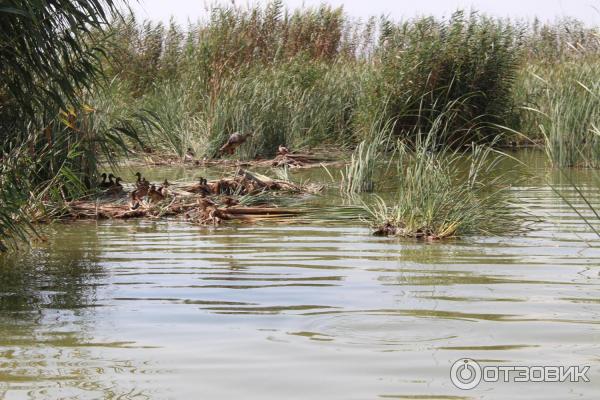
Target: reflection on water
[[322, 310]]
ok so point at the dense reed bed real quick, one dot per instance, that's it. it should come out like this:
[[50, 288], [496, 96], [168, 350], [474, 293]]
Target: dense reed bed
[[312, 76], [563, 110]]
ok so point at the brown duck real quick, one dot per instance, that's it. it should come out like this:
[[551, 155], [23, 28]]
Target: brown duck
[[110, 182], [116, 188], [154, 195], [282, 150], [104, 184], [163, 189], [138, 181], [229, 201], [142, 188], [189, 155], [202, 187], [235, 140]]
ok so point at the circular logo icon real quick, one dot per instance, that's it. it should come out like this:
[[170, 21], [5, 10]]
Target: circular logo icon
[[465, 374]]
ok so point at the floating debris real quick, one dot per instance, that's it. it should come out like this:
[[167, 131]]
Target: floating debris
[[282, 159], [205, 202]]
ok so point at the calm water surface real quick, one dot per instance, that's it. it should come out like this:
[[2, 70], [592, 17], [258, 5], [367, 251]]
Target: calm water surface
[[319, 310]]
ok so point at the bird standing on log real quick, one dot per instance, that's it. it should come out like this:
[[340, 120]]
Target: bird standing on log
[[189, 155], [154, 195], [116, 188], [282, 150], [142, 188], [104, 184], [235, 140]]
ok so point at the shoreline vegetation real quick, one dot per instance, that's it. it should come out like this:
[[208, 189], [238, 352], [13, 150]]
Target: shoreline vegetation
[[86, 87]]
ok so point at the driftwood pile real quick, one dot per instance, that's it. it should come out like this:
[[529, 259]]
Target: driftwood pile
[[295, 160], [290, 160], [204, 202]]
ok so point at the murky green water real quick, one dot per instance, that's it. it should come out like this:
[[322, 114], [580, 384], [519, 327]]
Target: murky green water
[[318, 310]]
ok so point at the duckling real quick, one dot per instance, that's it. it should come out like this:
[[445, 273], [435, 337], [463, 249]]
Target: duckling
[[235, 140], [163, 189], [202, 188], [189, 155], [229, 201], [138, 182], [104, 184], [142, 189], [154, 195], [205, 202], [116, 188], [134, 202], [282, 150]]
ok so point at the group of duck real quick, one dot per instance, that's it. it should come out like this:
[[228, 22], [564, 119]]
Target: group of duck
[[113, 185], [143, 189]]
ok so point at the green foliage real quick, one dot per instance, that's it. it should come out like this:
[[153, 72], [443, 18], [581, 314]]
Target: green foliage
[[562, 107], [46, 57], [444, 193], [359, 174], [427, 64], [311, 76], [439, 189], [52, 129]]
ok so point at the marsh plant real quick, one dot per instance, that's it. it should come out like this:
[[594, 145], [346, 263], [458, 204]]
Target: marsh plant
[[571, 116], [579, 199], [444, 193], [309, 76], [359, 176], [54, 124]]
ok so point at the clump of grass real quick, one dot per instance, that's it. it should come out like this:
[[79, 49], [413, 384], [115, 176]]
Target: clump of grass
[[359, 175], [444, 193], [570, 115]]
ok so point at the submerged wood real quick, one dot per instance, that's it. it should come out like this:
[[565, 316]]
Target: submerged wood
[[205, 202]]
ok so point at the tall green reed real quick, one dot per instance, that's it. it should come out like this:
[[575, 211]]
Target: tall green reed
[[312, 75], [359, 176], [564, 110], [444, 191]]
